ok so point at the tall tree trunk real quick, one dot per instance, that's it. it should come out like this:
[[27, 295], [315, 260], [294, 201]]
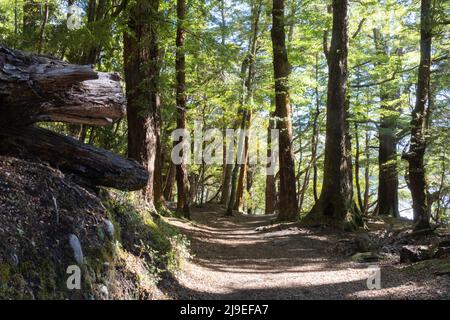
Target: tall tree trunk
[[288, 195], [336, 199], [170, 179], [239, 123], [43, 26], [183, 199], [238, 157], [256, 12], [250, 175], [366, 172], [357, 167], [239, 200], [387, 156], [271, 195], [142, 95], [315, 135], [415, 155], [16, 17], [227, 172], [158, 185], [31, 14]]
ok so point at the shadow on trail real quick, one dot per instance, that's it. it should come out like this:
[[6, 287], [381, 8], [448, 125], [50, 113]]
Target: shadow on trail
[[234, 259]]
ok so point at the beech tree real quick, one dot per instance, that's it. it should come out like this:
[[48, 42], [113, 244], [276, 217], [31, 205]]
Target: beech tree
[[183, 204], [288, 195], [335, 202], [141, 72], [415, 156]]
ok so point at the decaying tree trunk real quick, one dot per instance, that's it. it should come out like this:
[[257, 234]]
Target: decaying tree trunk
[[40, 88], [100, 167]]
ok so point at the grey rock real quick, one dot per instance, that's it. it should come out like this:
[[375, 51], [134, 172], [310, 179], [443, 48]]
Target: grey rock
[[13, 259], [363, 242], [443, 244], [109, 228], [76, 247], [414, 253], [442, 253], [104, 292]]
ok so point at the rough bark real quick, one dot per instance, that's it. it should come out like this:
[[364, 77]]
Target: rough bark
[[288, 195], [183, 201], [97, 166], [141, 71], [40, 88], [415, 155], [335, 203], [158, 185], [387, 157]]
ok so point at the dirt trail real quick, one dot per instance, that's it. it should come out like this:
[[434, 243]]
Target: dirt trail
[[235, 260]]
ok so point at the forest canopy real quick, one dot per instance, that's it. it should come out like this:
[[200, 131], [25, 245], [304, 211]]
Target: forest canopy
[[227, 64]]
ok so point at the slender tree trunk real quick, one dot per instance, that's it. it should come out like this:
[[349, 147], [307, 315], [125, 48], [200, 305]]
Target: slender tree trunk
[[250, 172], [357, 167], [227, 172], [43, 26], [315, 135], [271, 195], [183, 201], [415, 156], [238, 155], [288, 195], [366, 172], [256, 12], [239, 201], [142, 95], [305, 184], [31, 14], [336, 199], [170, 179], [16, 17]]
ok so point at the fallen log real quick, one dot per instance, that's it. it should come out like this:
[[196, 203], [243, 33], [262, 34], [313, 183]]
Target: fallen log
[[41, 88], [98, 166]]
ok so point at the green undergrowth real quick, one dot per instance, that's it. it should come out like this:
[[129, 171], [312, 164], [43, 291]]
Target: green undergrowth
[[145, 233]]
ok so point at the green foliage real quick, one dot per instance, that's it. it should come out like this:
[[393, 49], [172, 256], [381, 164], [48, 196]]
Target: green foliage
[[217, 42]]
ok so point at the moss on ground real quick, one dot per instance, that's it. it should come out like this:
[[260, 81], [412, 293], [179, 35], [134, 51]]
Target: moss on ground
[[34, 247], [436, 266]]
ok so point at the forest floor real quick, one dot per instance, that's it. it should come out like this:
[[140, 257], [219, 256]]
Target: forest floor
[[247, 257]]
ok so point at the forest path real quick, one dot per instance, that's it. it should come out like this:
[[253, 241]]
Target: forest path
[[234, 259]]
